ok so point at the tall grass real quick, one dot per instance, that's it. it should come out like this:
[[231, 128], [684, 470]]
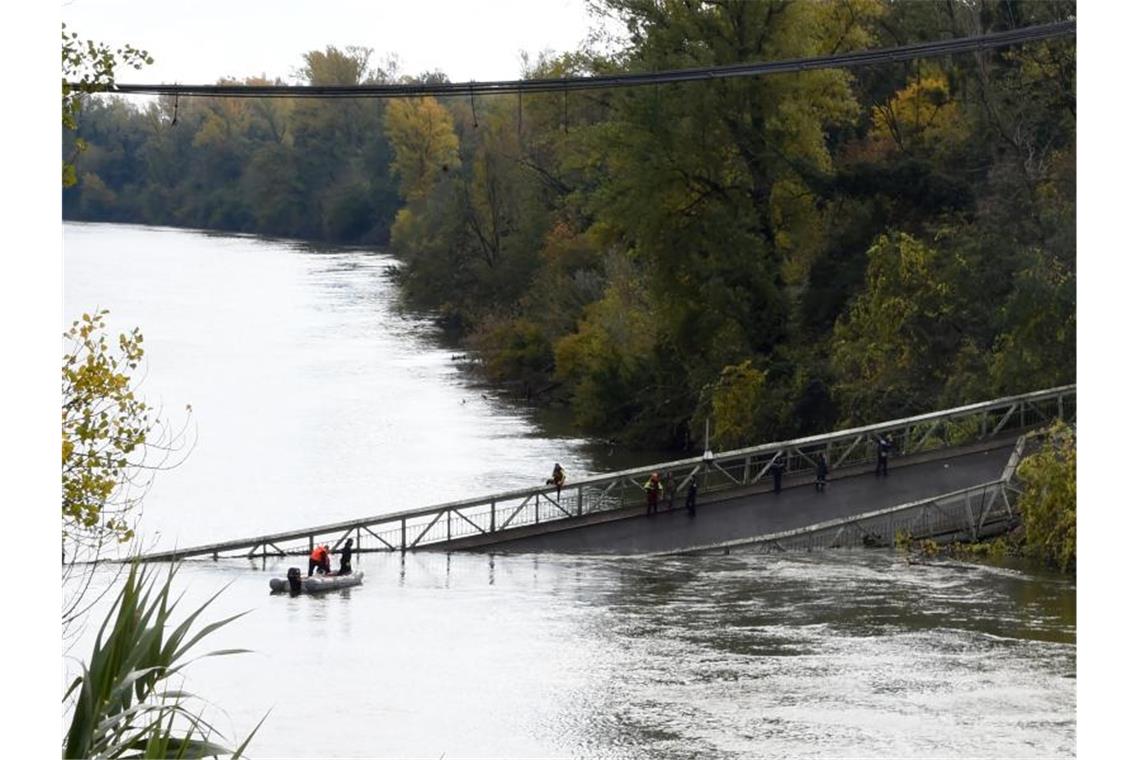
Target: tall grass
[[127, 701]]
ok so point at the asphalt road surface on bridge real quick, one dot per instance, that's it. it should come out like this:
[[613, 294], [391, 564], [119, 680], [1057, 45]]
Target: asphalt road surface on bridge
[[762, 513]]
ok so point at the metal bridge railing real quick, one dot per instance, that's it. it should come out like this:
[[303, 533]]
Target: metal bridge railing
[[966, 514], [716, 472]]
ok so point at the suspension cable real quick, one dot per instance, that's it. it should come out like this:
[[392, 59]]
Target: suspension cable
[[763, 68]]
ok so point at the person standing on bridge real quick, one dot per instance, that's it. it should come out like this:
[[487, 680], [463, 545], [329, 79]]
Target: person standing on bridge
[[671, 490], [557, 478], [691, 496], [652, 493], [884, 446], [821, 472], [777, 469], [319, 560]]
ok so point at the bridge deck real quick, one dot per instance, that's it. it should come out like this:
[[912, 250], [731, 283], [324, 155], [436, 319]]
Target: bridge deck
[[798, 505]]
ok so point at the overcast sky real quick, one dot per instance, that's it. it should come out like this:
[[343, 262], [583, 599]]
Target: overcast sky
[[202, 41]]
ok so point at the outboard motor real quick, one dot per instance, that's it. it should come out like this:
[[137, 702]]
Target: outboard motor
[[294, 578]]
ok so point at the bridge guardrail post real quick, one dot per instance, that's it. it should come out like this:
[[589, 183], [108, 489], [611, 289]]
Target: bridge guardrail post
[[492, 516], [403, 534]]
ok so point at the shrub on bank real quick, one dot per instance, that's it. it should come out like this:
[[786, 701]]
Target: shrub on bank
[[1048, 503]]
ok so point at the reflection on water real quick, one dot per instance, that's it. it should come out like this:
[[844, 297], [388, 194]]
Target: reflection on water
[[822, 655]]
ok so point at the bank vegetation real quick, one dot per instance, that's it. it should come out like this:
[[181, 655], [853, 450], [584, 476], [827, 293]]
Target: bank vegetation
[[780, 255]]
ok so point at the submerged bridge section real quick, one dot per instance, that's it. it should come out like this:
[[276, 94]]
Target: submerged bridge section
[[937, 456]]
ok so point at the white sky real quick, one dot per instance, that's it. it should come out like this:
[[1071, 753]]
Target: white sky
[[200, 42]]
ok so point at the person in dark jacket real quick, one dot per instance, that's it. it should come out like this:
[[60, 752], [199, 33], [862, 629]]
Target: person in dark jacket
[[821, 472], [777, 469], [346, 559], [884, 446], [691, 497], [556, 479]]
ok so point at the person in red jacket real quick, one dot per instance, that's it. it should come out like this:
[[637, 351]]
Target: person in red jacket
[[652, 492], [319, 560]]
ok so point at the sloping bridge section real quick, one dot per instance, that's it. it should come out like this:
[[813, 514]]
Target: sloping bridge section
[[924, 445], [968, 514], [743, 514]]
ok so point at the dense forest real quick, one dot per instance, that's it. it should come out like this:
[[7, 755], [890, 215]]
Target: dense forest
[[779, 254]]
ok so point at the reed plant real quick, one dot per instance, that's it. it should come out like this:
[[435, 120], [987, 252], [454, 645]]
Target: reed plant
[[127, 702]]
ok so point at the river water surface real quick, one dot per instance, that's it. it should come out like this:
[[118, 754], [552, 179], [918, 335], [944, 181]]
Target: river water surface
[[315, 399]]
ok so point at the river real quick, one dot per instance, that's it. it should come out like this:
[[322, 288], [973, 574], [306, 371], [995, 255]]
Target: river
[[315, 399]]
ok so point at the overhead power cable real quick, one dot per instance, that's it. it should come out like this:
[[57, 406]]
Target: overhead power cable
[[932, 49]]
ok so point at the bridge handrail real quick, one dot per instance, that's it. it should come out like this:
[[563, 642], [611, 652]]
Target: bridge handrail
[[832, 523], [615, 477], [1009, 473], [981, 406]]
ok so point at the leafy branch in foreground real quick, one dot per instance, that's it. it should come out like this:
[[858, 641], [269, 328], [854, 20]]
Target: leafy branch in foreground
[[89, 67], [112, 444], [127, 702]]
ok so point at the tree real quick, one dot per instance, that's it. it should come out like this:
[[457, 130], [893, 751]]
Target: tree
[[712, 184], [737, 400], [423, 136], [892, 349], [1038, 348], [89, 67], [922, 116], [112, 444]]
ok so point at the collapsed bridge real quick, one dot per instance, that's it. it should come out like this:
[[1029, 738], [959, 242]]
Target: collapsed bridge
[[951, 473]]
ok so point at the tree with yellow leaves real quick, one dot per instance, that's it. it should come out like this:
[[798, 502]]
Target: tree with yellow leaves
[[112, 444], [423, 136]]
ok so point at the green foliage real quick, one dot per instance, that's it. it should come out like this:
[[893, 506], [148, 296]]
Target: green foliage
[[1048, 503], [737, 405], [513, 349], [609, 360], [128, 700], [89, 67], [1039, 345], [887, 350]]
